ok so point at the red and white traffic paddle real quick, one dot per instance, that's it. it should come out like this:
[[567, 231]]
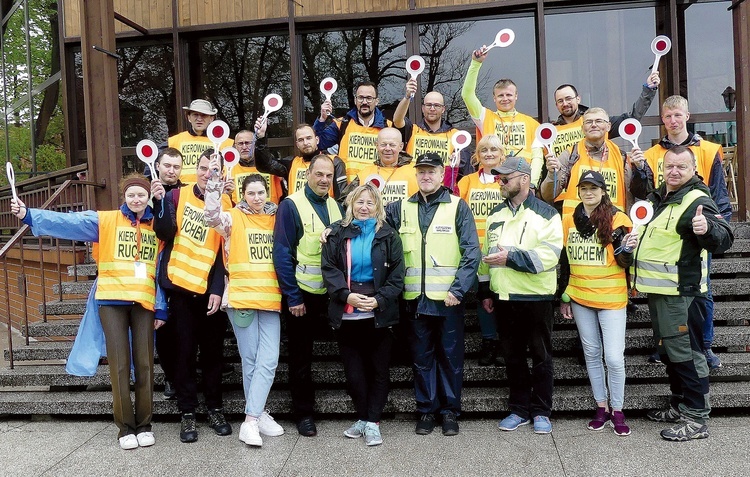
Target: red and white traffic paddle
[[503, 38], [328, 86], [231, 158], [377, 180], [545, 135], [630, 130], [660, 46], [641, 213], [460, 141], [217, 132], [147, 152], [414, 66], [272, 103]]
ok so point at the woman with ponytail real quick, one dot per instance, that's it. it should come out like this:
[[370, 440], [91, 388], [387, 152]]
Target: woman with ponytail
[[597, 250]]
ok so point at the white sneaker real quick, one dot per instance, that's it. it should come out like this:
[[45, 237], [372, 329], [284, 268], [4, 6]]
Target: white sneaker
[[268, 426], [146, 439], [249, 434], [128, 442]]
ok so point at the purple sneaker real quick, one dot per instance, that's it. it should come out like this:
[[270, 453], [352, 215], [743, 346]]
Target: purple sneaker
[[618, 423], [599, 420]]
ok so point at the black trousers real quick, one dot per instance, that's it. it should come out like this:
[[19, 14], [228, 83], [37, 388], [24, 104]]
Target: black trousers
[[366, 352], [526, 326], [193, 330], [301, 334], [166, 349]]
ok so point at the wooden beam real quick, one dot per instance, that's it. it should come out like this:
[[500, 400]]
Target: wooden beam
[[100, 100], [741, 20]]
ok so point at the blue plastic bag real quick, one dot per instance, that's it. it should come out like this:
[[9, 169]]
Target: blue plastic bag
[[89, 345]]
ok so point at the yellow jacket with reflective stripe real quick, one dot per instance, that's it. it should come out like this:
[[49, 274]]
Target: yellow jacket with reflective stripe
[[308, 273], [613, 170], [439, 248], [596, 280], [252, 277], [195, 245], [117, 252], [656, 263]]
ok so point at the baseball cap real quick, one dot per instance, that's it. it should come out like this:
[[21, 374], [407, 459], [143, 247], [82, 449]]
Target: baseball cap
[[511, 165], [429, 159], [592, 177], [201, 106]]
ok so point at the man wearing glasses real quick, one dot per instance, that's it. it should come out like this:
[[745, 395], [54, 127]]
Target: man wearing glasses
[[355, 134], [523, 240], [595, 152], [570, 120], [244, 142], [516, 130], [433, 133]]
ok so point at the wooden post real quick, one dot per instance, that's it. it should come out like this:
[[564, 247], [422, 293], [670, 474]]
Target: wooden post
[[741, 17], [100, 100]]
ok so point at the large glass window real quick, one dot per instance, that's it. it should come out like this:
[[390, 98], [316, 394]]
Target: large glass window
[[238, 73], [447, 48], [605, 54], [710, 55], [351, 56]]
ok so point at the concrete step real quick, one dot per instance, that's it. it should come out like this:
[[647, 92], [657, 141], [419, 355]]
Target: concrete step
[[637, 341], [740, 245], [735, 366], [741, 230], [80, 287], [82, 270], [481, 400], [64, 307], [730, 265]]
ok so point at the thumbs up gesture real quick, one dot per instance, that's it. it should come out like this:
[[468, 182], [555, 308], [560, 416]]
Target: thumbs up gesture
[[700, 226]]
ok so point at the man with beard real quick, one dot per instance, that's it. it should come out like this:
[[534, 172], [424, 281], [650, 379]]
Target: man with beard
[[356, 133], [569, 123], [523, 241], [433, 133], [294, 169], [244, 142]]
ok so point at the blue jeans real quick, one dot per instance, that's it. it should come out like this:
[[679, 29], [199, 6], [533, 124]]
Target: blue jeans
[[612, 337], [258, 345]]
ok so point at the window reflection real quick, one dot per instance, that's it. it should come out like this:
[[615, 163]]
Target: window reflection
[[351, 56], [238, 73], [710, 55], [606, 55]]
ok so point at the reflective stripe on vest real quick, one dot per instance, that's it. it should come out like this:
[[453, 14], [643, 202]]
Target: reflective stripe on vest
[[655, 268], [613, 171], [118, 251], [308, 274], [440, 248], [195, 245], [252, 277]]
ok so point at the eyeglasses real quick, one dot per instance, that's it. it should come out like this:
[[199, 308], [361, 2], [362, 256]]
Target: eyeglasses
[[365, 99], [505, 180], [433, 105], [243, 143], [598, 122], [567, 99]]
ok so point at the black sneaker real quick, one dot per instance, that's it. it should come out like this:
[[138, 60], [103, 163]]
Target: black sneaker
[[488, 353], [450, 425], [188, 432], [425, 424], [669, 414], [306, 427], [218, 423], [654, 358], [685, 430], [169, 390]]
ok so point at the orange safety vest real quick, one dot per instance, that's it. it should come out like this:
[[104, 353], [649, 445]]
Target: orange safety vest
[[191, 148], [422, 141], [358, 146], [596, 280], [239, 172], [482, 199], [126, 259], [516, 132], [568, 135], [704, 152], [195, 246], [252, 277], [399, 182], [613, 171]]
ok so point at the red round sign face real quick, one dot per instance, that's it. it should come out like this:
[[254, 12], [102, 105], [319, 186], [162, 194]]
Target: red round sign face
[[505, 37], [546, 134], [147, 151], [217, 130], [273, 102], [461, 139], [630, 129], [230, 156], [414, 65], [375, 182], [641, 213], [328, 86], [661, 45]]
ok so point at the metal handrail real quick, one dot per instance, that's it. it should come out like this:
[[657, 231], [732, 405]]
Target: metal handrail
[[17, 239]]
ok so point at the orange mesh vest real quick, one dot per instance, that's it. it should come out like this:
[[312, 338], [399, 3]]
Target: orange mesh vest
[[399, 182], [357, 147], [516, 132], [239, 172], [705, 152], [422, 141], [482, 198], [191, 148]]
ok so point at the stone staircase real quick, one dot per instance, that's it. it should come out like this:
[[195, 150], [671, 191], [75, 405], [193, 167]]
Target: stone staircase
[[40, 385]]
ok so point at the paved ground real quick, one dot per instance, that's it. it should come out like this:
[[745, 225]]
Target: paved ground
[[73, 447]]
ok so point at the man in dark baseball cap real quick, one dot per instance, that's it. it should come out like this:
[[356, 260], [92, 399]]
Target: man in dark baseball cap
[[512, 165], [432, 159]]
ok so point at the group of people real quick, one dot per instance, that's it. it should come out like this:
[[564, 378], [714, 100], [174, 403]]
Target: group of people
[[379, 230]]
